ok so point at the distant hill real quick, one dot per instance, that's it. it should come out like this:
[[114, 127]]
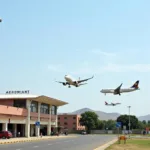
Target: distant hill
[[146, 117], [106, 116], [102, 115]]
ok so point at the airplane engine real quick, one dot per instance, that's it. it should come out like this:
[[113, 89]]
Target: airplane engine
[[76, 83], [64, 84]]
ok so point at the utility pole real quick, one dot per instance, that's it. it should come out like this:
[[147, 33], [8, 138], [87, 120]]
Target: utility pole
[[129, 120]]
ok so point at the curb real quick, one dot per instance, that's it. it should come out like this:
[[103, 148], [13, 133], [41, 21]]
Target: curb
[[30, 140], [104, 146]]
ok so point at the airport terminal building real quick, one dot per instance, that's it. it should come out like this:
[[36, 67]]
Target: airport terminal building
[[28, 115]]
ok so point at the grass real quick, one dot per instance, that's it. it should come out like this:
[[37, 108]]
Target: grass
[[131, 144], [140, 142]]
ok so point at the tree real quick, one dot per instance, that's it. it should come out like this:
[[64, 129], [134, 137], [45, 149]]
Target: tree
[[101, 125], [124, 119], [144, 122], [148, 123], [110, 124], [140, 125], [89, 119]]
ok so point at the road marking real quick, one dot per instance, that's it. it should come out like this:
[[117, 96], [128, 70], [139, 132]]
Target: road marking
[[66, 141], [57, 142], [18, 149], [35, 146], [72, 140], [50, 144]]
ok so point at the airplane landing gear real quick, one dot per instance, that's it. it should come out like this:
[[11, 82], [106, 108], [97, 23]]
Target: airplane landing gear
[[69, 86]]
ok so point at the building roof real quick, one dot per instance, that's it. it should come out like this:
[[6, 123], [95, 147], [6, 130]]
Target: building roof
[[41, 98], [68, 114]]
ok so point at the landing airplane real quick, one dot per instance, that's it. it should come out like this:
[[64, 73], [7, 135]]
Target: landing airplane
[[70, 81], [112, 104], [118, 90]]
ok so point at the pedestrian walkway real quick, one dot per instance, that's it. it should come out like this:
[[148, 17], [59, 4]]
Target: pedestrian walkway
[[19, 140], [104, 146]]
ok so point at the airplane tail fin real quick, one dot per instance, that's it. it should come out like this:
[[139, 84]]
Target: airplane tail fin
[[135, 85]]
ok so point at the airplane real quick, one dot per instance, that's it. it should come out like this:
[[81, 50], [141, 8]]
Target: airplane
[[112, 104], [70, 81], [118, 90]]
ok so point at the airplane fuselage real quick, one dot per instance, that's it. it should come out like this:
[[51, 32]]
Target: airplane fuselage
[[121, 90], [71, 81], [110, 105]]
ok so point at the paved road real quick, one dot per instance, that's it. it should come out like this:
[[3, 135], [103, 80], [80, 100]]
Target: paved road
[[80, 142]]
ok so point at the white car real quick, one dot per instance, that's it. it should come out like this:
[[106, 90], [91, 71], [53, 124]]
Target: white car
[[83, 132]]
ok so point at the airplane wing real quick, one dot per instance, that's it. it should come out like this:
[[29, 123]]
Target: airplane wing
[[118, 103], [82, 84], [64, 83], [79, 81], [117, 90], [113, 103]]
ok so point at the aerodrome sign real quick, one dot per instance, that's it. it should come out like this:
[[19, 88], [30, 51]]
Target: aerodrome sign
[[17, 92]]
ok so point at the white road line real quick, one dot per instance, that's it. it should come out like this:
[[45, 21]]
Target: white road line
[[66, 141], [50, 144], [18, 149], [72, 140], [35, 146], [57, 142]]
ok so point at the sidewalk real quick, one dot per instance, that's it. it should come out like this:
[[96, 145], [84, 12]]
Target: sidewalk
[[24, 139], [104, 146]]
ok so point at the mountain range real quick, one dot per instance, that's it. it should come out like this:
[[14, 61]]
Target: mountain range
[[106, 116]]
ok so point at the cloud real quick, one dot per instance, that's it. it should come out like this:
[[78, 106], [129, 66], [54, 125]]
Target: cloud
[[126, 68], [106, 54], [112, 68], [55, 67]]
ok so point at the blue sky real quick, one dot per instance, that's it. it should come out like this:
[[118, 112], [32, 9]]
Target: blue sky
[[44, 40]]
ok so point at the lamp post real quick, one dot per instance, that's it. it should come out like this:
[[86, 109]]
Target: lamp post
[[129, 120]]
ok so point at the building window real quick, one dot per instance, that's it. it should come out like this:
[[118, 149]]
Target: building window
[[20, 103], [54, 110], [74, 123], [65, 117], [74, 117], [34, 106], [65, 123], [58, 118], [44, 108], [74, 128]]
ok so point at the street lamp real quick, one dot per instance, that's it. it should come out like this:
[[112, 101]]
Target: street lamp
[[129, 120]]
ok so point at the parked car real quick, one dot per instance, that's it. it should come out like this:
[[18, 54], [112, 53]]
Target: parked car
[[83, 132], [5, 134]]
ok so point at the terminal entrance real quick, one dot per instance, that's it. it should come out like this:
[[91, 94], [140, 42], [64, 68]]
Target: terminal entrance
[[17, 130], [21, 130], [10, 128], [43, 129], [1, 127]]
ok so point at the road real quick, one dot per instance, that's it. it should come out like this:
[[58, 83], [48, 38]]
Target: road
[[79, 142]]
